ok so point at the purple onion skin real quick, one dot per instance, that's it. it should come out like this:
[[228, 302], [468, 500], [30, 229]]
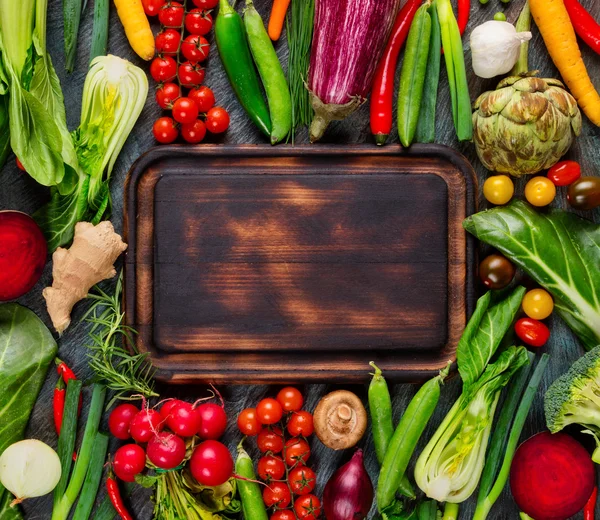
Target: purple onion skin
[[349, 493], [349, 38]]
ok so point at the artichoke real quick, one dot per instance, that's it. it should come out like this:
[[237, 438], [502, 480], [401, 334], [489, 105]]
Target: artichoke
[[524, 126]]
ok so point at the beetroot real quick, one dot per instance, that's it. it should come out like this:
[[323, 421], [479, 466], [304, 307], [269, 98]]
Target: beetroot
[[23, 253], [552, 476]]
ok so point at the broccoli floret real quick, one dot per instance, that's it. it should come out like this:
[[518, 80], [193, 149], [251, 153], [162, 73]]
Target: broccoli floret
[[574, 398]]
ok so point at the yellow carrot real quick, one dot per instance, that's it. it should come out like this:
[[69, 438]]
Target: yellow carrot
[[277, 18], [554, 23], [137, 28]]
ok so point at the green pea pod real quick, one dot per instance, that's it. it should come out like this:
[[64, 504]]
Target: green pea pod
[[253, 506], [405, 439], [412, 75], [271, 74], [426, 127], [237, 62]]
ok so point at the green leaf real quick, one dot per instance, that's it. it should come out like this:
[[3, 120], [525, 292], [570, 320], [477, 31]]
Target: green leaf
[[559, 250], [484, 332]]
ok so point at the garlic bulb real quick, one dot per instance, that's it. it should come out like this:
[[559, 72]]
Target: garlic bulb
[[495, 48], [29, 469]]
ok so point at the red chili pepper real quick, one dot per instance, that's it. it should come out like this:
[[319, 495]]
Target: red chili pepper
[[590, 507], [63, 370], [584, 24], [464, 11], [112, 488], [382, 94], [58, 405]]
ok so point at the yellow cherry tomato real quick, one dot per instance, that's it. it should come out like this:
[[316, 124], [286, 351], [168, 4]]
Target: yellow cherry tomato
[[498, 189], [538, 304], [540, 191]]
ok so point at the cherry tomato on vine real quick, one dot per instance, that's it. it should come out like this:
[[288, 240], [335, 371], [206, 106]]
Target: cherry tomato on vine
[[302, 480], [217, 120], [194, 133], [270, 440], [195, 48], [165, 131], [538, 304], [185, 110], [206, 4], [152, 7], [496, 271], [301, 424], [120, 419], [277, 494], [248, 422], [129, 460], [270, 468], [204, 98], [191, 74], [171, 15], [167, 41], [296, 451], [166, 94], [269, 411], [564, 173], [199, 22], [532, 332], [290, 399], [584, 193], [308, 507], [283, 514], [163, 68], [498, 189], [540, 191]]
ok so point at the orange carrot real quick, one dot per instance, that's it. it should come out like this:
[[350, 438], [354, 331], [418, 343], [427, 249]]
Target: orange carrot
[[553, 21], [277, 18]]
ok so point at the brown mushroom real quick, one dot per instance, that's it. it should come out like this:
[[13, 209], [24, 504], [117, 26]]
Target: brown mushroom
[[340, 420]]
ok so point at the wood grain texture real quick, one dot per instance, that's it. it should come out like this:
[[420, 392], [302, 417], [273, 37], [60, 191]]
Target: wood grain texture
[[18, 191]]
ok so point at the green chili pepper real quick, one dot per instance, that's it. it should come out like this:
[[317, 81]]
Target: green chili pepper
[[252, 502], [405, 438], [412, 76], [271, 74], [237, 62]]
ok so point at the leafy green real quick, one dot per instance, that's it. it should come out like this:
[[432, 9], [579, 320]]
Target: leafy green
[[559, 250], [26, 350], [484, 332]]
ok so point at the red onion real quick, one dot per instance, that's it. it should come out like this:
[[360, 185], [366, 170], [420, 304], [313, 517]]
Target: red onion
[[349, 493], [349, 38]]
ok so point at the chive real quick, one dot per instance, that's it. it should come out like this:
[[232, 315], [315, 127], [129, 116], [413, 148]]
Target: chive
[[66, 439], [62, 509], [92, 478], [71, 17], [100, 30]]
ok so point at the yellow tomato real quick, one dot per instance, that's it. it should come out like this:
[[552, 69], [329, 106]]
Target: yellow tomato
[[498, 189], [540, 191], [538, 304]]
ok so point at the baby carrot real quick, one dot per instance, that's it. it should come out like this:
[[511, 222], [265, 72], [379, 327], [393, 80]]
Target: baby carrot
[[277, 18], [137, 28]]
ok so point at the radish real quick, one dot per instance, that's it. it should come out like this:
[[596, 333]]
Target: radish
[[120, 420], [165, 450], [213, 421], [211, 463], [145, 425], [183, 419], [552, 476], [129, 460], [23, 253]]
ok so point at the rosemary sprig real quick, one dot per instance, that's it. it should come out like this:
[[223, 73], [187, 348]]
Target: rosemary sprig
[[113, 355]]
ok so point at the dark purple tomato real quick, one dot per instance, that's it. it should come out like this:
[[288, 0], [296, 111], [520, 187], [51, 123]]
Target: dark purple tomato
[[496, 271], [584, 193]]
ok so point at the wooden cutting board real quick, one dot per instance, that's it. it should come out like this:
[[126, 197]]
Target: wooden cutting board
[[254, 264]]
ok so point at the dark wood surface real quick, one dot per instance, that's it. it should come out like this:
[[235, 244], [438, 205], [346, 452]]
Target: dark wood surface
[[262, 264], [18, 191]]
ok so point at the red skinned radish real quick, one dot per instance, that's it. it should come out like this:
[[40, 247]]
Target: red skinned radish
[[166, 450], [120, 420], [145, 425], [184, 420], [213, 421], [211, 463], [129, 460]]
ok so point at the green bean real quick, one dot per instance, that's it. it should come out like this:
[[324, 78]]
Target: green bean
[[92, 478], [412, 76], [253, 506], [271, 74], [405, 438]]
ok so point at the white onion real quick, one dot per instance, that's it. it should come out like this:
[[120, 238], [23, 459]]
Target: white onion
[[29, 469]]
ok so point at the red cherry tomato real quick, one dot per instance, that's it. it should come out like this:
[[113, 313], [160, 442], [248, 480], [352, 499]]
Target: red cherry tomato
[[206, 4], [145, 425], [152, 7], [217, 120], [166, 94], [211, 463], [20, 165], [171, 15], [166, 450], [195, 48], [283, 514], [248, 422], [277, 494], [308, 507], [203, 97], [120, 419], [270, 468], [185, 110], [296, 451], [270, 440], [167, 407], [167, 41], [191, 74], [301, 424], [290, 399], [129, 460], [269, 411], [213, 417], [564, 173], [532, 332], [198, 21], [184, 420], [163, 69], [302, 480], [165, 131]]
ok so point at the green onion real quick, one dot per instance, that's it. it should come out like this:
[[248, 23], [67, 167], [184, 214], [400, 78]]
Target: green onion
[[451, 511], [92, 478], [71, 17], [100, 30]]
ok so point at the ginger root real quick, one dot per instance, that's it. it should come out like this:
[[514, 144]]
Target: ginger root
[[88, 261]]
